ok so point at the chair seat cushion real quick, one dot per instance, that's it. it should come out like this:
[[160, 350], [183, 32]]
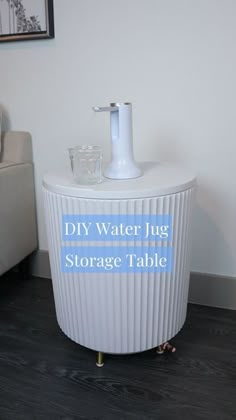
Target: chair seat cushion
[[7, 164]]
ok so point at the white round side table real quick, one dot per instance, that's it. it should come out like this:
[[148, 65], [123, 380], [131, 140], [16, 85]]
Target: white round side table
[[122, 312]]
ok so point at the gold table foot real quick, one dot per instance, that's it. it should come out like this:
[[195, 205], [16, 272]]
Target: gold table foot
[[99, 362], [159, 350]]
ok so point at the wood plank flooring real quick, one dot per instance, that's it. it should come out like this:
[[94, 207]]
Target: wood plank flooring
[[44, 375]]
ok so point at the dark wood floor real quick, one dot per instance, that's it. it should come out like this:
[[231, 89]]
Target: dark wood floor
[[44, 375]]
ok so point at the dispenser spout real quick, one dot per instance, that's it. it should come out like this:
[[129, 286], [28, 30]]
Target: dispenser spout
[[105, 108]]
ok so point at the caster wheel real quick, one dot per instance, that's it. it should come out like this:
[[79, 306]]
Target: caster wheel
[[165, 347]]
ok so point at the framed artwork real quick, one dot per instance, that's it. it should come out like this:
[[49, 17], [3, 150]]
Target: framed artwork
[[22, 20]]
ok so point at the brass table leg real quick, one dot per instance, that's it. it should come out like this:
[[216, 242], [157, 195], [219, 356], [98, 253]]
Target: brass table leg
[[159, 350], [99, 361]]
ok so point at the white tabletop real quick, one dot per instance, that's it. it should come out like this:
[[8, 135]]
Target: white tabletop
[[158, 179]]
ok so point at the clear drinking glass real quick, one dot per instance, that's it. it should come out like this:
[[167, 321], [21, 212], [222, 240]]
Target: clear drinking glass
[[86, 164]]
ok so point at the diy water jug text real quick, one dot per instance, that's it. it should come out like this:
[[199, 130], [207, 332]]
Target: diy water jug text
[[144, 243]]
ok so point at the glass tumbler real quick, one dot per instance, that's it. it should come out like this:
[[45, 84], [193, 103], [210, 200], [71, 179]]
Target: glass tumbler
[[86, 164]]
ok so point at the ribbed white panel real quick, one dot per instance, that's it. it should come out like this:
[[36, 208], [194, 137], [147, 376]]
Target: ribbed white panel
[[121, 312]]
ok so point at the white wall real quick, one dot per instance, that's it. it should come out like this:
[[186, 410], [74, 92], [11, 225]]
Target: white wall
[[174, 60]]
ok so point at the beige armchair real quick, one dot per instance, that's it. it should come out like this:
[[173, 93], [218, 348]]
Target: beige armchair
[[18, 233]]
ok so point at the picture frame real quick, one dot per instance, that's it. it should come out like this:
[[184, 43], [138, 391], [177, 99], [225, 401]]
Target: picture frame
[[22, 20]]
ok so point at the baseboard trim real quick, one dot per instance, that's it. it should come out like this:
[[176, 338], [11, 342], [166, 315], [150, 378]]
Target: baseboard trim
[[213, 290], [205, 289]]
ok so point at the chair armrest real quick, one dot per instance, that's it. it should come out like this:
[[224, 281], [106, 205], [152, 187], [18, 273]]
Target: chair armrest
[[18, 234], [16, 147]]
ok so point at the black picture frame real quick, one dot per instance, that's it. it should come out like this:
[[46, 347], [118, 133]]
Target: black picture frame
[[17, 25]]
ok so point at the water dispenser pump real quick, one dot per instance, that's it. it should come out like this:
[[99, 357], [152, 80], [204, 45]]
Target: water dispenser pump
[[122, 165]]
